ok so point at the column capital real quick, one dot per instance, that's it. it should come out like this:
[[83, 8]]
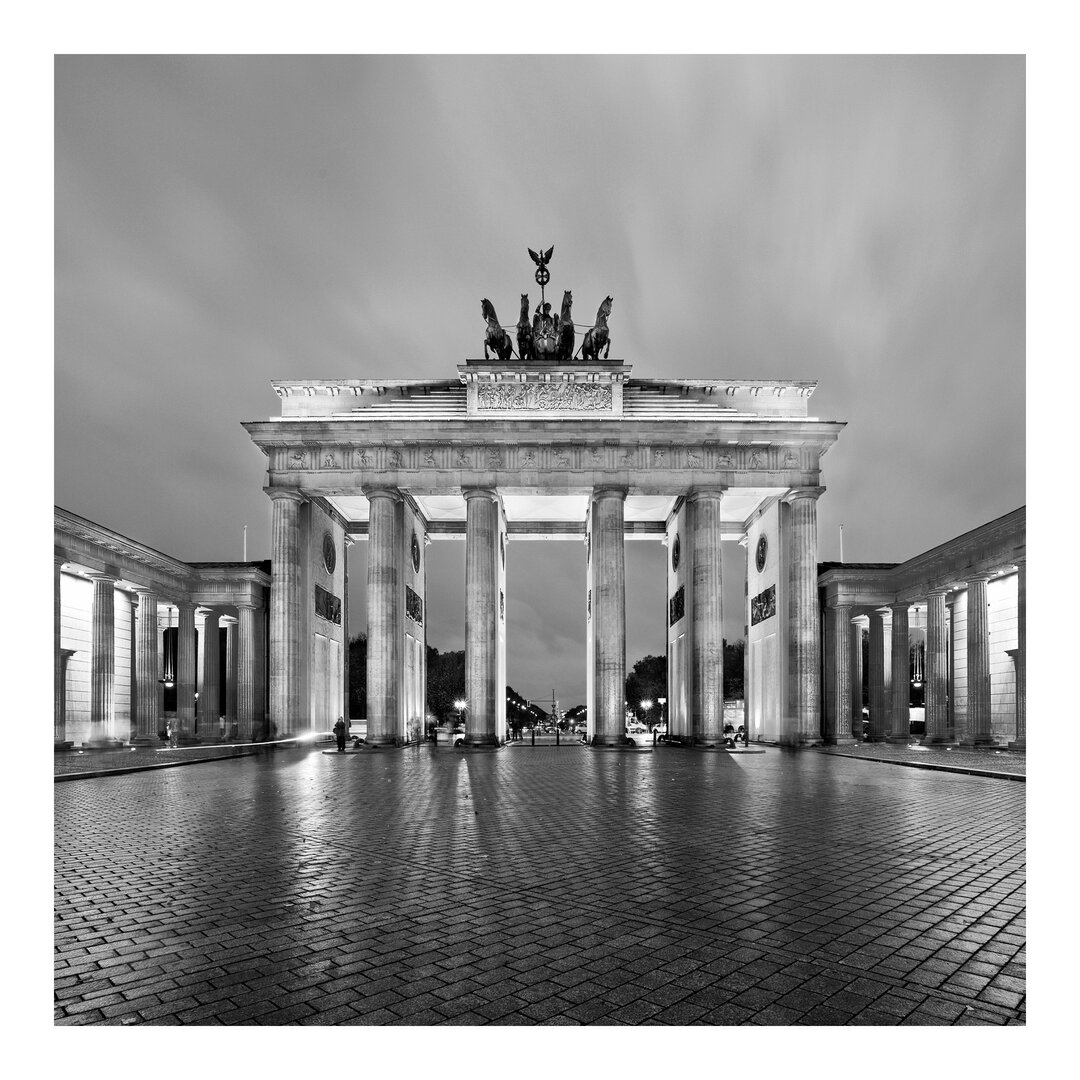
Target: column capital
[[60, 559], [478, 491], [618, 490], [373, 491], [241, 605], [803, 493], [714, 491], [285, 493], [981, 575], [899, 605], [103, 575], [144, 590]]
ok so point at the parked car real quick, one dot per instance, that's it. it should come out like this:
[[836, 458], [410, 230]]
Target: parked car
[[638, 735]]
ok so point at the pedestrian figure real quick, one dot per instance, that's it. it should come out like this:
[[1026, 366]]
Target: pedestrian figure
[[340, 731]]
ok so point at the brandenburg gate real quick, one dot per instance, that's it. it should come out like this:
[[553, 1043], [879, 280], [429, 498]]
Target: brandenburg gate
[[531, 443]]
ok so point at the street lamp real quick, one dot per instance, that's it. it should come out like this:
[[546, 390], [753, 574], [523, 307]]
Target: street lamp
[[461, 705], [646, 705]]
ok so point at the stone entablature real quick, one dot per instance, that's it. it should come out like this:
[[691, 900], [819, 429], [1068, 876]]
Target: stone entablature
[[102, 550], [990, 549], [584, 390], [649, 457]]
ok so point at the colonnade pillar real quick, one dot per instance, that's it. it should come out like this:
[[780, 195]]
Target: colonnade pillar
[[481, 616], [608, 625], [1020, 742], [803, 725], [285, 574], [186, 668], [60, 659], [857, 630], [245, 672], [978, 731], [838, 666], [707, 656], [385, 601], [102, 659], [147, 716], [230, 676], [899, 715], [878, 731], [937, 670], [210, 695]]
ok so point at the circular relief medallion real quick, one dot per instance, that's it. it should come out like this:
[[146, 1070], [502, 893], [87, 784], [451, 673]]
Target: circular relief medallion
[[676, 552], [415, 553], [329, 553], [762, 552]]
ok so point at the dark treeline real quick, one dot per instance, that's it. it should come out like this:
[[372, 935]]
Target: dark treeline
[[646, 681]]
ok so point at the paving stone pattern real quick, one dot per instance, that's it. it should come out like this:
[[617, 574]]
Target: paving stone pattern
[[540, 886]]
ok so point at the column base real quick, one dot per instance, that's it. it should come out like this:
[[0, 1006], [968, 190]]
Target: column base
[[101, 743], [979, 742], [898, 738], [1018, 744], [62, 745], [872, 738], [480, 747], [144, 740], [841, 740], [937, 740], [188, 740]]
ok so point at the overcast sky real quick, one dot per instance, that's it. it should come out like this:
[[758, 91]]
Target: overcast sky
[[222, 221]]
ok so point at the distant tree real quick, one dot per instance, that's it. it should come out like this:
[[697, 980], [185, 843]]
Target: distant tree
[[733, 669], [445, 681], [647, 681], [358, 676]]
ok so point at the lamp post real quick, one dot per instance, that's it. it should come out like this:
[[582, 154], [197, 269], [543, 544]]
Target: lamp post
[[646, 705]]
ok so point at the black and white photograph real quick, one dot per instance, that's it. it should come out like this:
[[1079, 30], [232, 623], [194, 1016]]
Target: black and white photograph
[[540, 540]]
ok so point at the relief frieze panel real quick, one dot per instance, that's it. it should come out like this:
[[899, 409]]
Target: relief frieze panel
[[543, 397]]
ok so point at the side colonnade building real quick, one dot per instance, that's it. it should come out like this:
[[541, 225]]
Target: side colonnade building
[[952, 621], [145, 644]]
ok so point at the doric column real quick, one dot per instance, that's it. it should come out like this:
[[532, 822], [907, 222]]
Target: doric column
[[899, 715], [1020, 659], [838, 722], [346, 696], [748, 701], [481, 616], [102, 659], [707, 656], [878, 731], [186, 668], [937, 669], [230, 677], [978, 664], [209, 726], [60, 656], [609, 616], [285, 613], [857, 630], [385, 599], [803, 726], [245, 672], [147, 717]]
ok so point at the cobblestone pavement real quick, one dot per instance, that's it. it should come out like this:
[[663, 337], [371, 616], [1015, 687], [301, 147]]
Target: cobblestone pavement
[[540, 886]]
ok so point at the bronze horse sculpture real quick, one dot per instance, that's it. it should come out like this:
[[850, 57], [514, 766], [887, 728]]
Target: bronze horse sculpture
[[524, 331], [597, 339], [496, 338], [566, 330]]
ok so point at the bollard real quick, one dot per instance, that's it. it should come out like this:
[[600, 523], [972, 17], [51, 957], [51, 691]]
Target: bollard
[[533, 730], [556, 736]]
